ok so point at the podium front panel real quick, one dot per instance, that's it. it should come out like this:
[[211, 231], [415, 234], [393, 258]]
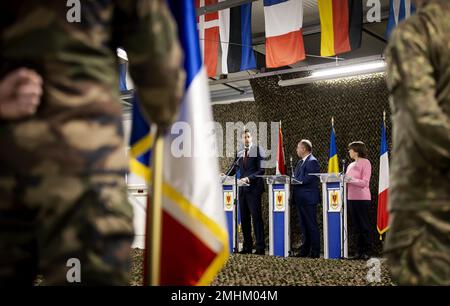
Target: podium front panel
[[334, 220], [279, 220], [228, 206]]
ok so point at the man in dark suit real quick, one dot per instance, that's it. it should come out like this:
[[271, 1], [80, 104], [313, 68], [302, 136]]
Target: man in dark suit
[[306, 196], [249, 164]]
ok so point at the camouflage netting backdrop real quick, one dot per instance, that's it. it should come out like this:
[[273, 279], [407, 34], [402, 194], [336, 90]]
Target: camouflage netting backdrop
[[357, 105]]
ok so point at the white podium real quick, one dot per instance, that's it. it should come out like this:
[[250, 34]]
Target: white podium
[[230, 206], [334, 200], [279, 214]]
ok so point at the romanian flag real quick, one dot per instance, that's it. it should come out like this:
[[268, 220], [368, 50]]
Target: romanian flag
[[398, 10], [284, 35], [333, 163], [383, 185], [208, 32], [341, 26], [281, 167]]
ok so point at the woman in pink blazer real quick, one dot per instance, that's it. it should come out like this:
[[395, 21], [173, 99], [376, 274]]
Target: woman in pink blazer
[[358, 196]]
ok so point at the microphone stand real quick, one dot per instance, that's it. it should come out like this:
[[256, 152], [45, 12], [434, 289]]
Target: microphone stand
[[344, 227], [236, 235], [291, 251]]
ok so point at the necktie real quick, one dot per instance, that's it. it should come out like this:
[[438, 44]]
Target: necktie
[[245, 158], [297, 168]]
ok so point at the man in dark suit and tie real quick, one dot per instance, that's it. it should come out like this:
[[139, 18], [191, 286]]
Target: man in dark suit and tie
[[249, 163], [305, 197]]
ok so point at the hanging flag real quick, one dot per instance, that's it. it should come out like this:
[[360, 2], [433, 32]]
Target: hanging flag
[[398, 10], [208, 32], [341, 26], [281, 166], [383, 184], [141, 142], [141, 138], [236, 38], [194, 239], [333, 163], [284, 33]]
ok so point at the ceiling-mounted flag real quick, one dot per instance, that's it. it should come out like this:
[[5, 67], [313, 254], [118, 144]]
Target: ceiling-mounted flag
[[284, 34], [236, 38], [398, 10], [208, 32], [341, 26]]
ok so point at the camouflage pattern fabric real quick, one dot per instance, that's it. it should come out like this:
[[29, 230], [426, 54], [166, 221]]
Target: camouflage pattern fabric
[[46, 220], [62, 170], [418, 58]]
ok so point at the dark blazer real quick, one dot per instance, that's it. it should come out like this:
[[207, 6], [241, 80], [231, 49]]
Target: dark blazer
[[251, 169], [307, 193]]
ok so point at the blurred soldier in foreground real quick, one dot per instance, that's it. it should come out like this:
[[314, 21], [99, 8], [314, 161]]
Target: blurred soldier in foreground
[[418, 57], [62, 162]]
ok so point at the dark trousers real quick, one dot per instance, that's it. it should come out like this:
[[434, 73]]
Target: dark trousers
[[250, 208], [359, 212], [307, 215]]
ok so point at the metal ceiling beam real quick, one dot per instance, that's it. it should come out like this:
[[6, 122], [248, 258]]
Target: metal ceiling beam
[[299, 69], [220, 6]]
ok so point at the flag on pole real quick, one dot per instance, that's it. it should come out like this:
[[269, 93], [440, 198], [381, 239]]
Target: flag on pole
[[141, 138], [281, 166], [141, 143], [284, 33], [208, 32], [398, 10], [383, 184], [341, 26], [236, 38], [194, 238], [333, 163]]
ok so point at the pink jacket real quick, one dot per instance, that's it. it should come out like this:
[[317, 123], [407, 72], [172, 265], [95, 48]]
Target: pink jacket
[[358, 187]]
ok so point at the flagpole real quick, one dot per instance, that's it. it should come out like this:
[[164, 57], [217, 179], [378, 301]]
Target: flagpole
[[154, 216]]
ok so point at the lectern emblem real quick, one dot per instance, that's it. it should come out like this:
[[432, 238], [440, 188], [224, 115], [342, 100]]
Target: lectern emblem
[[279, 201], [334, 198], [228, 200]]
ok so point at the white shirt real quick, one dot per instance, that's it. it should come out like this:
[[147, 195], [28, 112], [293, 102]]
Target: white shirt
[[304, 158]]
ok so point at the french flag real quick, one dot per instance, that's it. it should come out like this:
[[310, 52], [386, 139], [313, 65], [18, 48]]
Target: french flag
[[383, 185], [194, 238], [398, 10], [236, 38], [284, 34]]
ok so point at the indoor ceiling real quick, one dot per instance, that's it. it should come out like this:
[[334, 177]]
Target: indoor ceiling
[[237, 88]]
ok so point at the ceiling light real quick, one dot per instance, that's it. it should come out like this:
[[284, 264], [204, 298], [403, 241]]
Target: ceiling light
[[337, 72]]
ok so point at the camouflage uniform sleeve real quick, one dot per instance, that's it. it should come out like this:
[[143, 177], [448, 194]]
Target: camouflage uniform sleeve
[[412, 85], [147, 31]]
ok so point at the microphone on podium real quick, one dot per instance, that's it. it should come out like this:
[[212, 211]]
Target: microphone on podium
[[343, 162], [292, 169]]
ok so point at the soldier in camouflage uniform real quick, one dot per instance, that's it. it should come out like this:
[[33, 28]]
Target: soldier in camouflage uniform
[[418, 57], [62, 170]]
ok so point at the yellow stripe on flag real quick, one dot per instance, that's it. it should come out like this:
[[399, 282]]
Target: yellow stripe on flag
[[219, 233], [140, 169], [142, 146], [333, 164], [326, 25]]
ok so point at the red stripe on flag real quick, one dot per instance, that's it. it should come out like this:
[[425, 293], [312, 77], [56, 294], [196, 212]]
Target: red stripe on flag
[[213, 15], [340, 26], [382, 213], [280, 153], [184, 258], [284, 49], [211, 50]]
